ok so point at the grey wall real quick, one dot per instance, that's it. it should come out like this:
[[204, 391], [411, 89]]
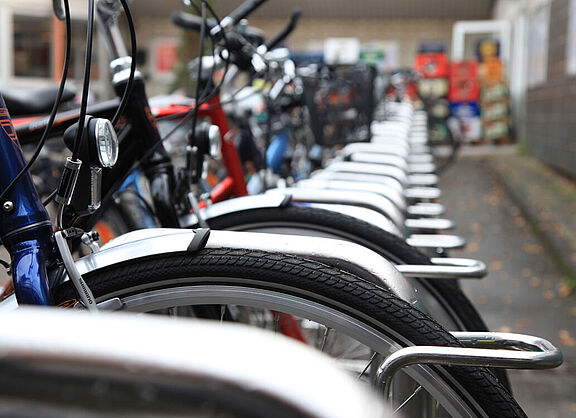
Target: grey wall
[[551, 107]]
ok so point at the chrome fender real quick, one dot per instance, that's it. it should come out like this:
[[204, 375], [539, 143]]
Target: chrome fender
[[278, 198], [359, 177], [149, 242], [361, 185], [268, 200], [364, 199], [366, 168], [375, 149]]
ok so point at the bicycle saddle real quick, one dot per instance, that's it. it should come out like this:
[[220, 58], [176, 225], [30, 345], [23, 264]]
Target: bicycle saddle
[[33, 101]]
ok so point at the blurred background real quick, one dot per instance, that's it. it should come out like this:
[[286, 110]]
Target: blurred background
[[500, 72], [501, 67]]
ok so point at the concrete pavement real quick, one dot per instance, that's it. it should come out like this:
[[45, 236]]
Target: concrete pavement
[[524, 291]]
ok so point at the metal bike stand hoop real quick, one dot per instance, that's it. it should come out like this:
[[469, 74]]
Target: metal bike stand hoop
[[523, 352]]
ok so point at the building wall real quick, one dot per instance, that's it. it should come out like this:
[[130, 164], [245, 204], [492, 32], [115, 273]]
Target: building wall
[[550, 107], [310, 35], [407, 32]]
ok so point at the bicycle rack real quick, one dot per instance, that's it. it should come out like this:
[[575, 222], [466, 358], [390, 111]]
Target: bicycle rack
[[482, 349], [422, 193], [428, 209], [428, 224], [422, 179], [448, 242], [446, 268]]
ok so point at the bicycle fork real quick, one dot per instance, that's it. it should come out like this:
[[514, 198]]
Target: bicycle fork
[[25, 228]]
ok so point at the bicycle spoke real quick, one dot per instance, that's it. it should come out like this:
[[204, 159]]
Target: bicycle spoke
[[222, 312], [367, 366], [324, 338], [408, 400]]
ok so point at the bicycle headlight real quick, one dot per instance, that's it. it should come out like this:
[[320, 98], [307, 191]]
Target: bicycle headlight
[[106, 142]]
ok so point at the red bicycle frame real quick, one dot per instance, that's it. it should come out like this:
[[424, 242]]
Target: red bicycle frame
[[234, 184]]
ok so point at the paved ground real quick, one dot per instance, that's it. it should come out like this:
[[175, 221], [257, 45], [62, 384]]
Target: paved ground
[[524, 291]]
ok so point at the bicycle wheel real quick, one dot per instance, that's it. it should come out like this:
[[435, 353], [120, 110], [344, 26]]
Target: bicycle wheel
[[446, 302], [455, 311], [319, 294]]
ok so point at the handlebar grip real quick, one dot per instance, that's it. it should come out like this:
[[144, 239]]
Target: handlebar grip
[[245, 9], [192, 22], [283, 34]]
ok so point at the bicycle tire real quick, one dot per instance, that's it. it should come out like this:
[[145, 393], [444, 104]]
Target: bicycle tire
[[169, 276], [337, 225]]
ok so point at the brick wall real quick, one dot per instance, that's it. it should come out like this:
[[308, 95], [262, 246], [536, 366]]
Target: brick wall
[[551, 107]]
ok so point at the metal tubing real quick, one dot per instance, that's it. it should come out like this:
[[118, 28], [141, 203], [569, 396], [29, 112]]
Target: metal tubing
[[436, 241], [446, 268], [428, 224], [536, 353]]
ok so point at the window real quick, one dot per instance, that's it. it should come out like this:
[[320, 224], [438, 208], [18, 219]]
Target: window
[[33, 40], [32, 37]]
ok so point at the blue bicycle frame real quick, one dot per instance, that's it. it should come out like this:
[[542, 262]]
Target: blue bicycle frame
[[25, 228]]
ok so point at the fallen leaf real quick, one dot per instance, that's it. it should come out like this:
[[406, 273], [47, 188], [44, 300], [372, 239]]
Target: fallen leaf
[[472, 247], [519, 221], [481, 300], [535, 281], [533, 249], [507, 300], [526, 272], [522, 324], [566, 338], [549, 294], [495, 265], [504, 328], [563, 290]]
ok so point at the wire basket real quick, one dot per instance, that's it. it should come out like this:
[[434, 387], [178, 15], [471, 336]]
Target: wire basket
[[340, 102]]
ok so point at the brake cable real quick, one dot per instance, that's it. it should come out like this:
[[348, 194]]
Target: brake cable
[[133, 49], [86, 81]]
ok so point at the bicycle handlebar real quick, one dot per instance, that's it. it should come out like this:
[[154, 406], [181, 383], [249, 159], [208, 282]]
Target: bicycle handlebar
[[283, 34], [245, 9], [192, 22]]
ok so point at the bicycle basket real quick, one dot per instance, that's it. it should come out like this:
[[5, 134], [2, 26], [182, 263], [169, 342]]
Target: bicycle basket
[[340, 103]]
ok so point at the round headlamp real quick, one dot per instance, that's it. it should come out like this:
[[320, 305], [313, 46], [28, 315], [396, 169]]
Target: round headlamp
[[106, 142]]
